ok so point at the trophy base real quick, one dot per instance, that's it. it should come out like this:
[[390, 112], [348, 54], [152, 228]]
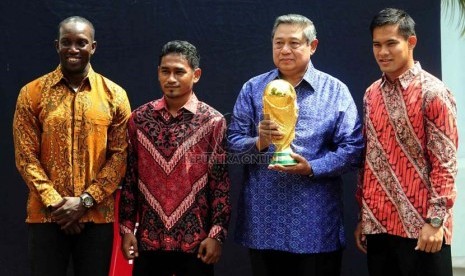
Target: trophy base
[[283, 158]]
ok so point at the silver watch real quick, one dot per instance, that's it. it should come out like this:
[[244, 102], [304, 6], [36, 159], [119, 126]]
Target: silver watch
[[435, 221], [86, 200]]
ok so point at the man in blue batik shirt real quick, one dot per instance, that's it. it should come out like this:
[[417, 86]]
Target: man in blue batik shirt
[[291, 218]]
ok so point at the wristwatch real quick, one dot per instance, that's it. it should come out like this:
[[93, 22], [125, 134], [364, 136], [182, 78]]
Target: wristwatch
[[219, 240], [86, 200], [435, 221], [310, 175]]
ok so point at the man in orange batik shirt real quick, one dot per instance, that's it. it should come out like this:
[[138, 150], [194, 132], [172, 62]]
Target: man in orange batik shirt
[[69, 133]]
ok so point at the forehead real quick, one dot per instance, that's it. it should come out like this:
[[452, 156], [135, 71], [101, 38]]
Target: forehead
[[288, 31], [75, 28], [174, 60], [386, 32]]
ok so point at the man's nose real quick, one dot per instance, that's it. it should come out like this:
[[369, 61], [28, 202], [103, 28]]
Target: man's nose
[[384, 50], [73, 48], [286, 48], [172, 78]]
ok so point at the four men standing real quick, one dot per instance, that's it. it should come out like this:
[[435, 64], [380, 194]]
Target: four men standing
[[70, 146]]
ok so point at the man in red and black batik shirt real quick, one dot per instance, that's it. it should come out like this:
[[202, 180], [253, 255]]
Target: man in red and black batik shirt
[[407, 186], [177, 183]]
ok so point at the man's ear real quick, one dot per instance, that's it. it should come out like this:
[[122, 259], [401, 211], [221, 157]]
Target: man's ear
[[313, 46], [412, 42], [94, 47], [197, 74]]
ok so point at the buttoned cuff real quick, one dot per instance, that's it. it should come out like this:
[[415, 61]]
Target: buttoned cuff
[[217, 233], [437, 210]]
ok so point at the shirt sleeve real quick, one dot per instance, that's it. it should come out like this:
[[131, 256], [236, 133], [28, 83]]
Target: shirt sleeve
[[111, 173], [243, 129], [441, 144], [361, 170], [128, 200], [27, 135], [347, 140], [219, 183]]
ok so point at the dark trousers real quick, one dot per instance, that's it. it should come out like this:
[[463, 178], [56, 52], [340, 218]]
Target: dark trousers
[[163, 263], [389, 255], [51, 250], [279, 263]]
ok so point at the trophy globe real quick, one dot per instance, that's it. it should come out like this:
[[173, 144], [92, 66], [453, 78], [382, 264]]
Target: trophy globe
[[280, 106]]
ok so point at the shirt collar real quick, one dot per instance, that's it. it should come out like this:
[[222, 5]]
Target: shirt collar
[[57, 76], [190, 105], [310, 75], [406, 78]]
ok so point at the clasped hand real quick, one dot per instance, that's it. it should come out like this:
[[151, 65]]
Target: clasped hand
[[67, 214]]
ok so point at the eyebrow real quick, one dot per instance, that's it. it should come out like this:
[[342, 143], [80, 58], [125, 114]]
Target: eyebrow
[[387, 41], [174, 68]]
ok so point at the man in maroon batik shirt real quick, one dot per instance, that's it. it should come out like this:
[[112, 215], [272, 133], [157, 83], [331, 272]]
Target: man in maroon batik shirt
[[177, 183]]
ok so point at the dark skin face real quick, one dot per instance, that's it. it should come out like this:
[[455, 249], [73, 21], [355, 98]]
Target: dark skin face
[[75, 46]]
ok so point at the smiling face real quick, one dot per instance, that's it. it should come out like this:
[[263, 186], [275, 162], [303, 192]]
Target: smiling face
[[393, 52], [75, 46], [291, 50], [176, 77]]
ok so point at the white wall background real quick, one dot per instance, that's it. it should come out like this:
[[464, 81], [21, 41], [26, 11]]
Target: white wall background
[[453, 74]]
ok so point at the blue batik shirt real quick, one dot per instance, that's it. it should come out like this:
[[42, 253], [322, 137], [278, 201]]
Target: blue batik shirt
[[296, 213]]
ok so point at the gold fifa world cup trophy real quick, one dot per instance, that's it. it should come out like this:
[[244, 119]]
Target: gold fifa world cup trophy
[[280, 106]]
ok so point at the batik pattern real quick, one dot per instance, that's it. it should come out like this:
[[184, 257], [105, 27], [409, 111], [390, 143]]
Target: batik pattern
[[177, 184], [410, 162], [68, 142]]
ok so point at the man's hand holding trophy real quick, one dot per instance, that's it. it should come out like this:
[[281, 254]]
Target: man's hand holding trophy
[[280, 113]]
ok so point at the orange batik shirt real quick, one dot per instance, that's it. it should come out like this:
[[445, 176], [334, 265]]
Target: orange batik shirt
[[410, 127], [68, 142]]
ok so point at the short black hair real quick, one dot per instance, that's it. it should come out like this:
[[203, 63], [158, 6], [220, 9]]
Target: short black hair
[[184, 48], [392, 16], [76, 19]]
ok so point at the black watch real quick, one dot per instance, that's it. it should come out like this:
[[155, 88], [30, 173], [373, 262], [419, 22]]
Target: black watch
[[86, 200], [435, 221]]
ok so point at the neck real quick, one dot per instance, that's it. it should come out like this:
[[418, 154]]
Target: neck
[[75, 80], [394, 76], [175, 104], [294, 79]]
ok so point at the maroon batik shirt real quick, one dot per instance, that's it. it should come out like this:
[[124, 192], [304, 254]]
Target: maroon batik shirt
[[177, 183]]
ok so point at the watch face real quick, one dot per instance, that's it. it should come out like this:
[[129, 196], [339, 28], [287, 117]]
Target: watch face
[[87, 201], [436, 222]]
